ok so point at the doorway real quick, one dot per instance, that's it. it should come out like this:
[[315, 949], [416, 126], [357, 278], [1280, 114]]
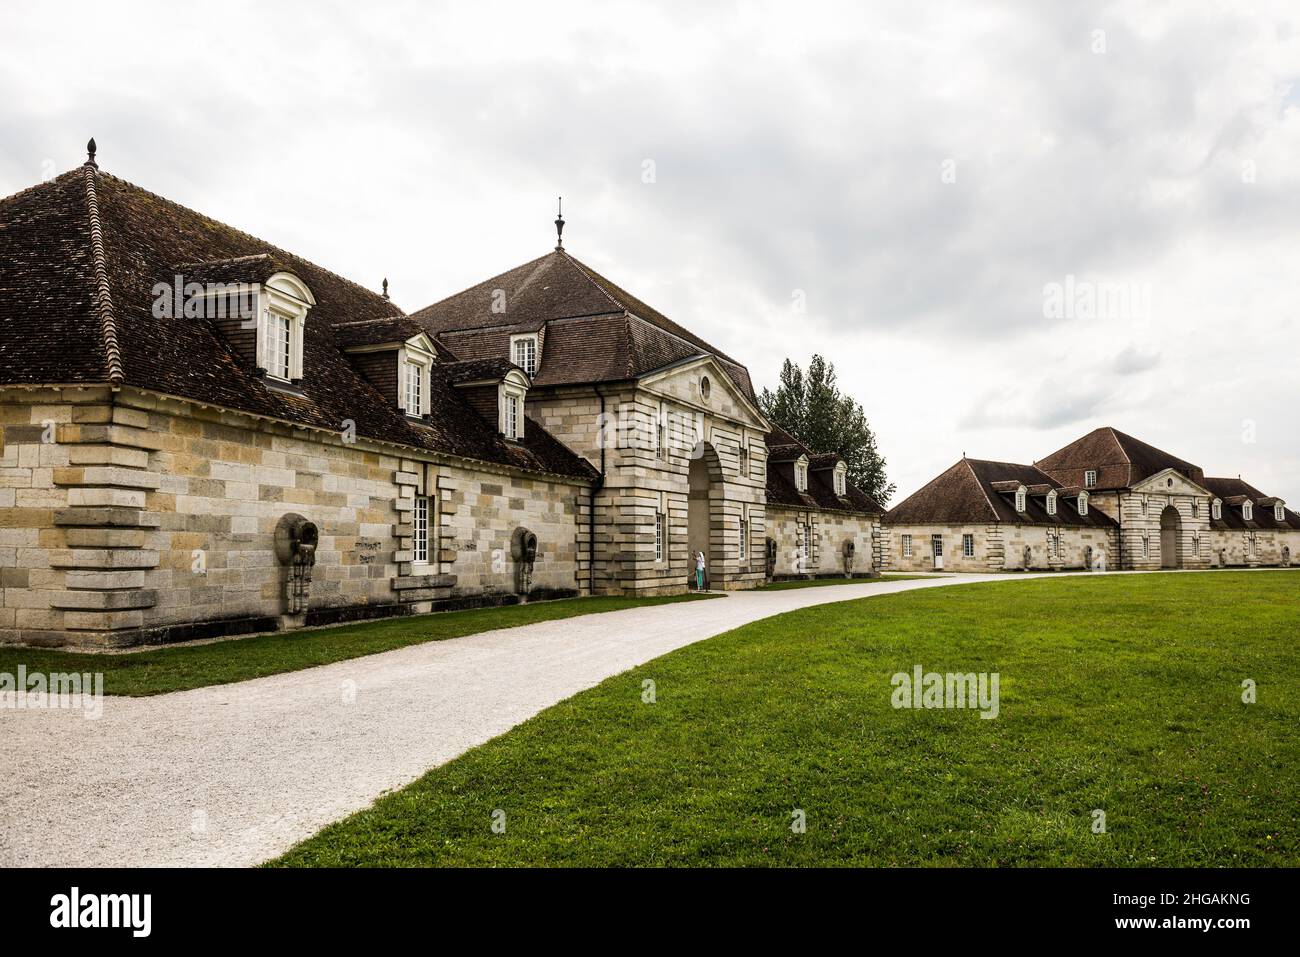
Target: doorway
[[936, 549], [704, 479], [1171, 534]]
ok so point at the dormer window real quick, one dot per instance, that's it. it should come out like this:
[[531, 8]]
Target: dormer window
[[1083, 503], [801, 475], [414, 385], [510, 401], [1279, 512], [1090, 478], [1248, 511], [1022, 499], [414, 362], [841, 480], [523, 353], [285, 301], [1216, 510], [1051, 503]]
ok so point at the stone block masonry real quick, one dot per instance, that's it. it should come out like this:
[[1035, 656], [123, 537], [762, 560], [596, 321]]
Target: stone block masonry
[[127, 517]]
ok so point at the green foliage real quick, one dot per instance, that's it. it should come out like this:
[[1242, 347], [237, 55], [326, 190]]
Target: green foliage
[[812, 408]]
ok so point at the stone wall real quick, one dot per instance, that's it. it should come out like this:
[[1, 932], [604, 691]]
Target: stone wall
[[997, 547], [825, 534], [640, 483], [130, 517]]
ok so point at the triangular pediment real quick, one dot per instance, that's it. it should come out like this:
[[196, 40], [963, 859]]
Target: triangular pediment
[[688, 381]]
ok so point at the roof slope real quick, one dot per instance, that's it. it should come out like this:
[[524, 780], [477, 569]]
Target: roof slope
[[978, 491], [620, 338], [1120, 460], [1236, 488], [50, 329], [781, 490]]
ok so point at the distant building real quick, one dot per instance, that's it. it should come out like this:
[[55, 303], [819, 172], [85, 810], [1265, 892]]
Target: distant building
[[1106, 497]]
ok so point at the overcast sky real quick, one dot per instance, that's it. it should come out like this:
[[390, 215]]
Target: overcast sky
[[914, 176]]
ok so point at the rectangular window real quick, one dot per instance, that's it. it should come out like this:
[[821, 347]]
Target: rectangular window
[[744, 540], [1146, 547], [907, 546], [968, 546], [414, 388], [512, 416], [1089, 479], [661, 434], [659, 536], [526, 355], [420, 531], [744, 461], [276, 357]]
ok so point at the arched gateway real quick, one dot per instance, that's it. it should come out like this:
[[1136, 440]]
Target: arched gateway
[[1171, 538], [705, 482]]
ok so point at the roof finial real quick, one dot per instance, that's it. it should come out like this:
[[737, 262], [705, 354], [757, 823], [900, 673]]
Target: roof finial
[[90, 153], [385, 287], [559, 225]]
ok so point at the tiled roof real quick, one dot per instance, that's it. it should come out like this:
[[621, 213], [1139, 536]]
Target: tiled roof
[[821, 495], [478, 370], [1119, 460], [374, 332], [977, 492], [62, 320], [594, 330], [1234, 492]]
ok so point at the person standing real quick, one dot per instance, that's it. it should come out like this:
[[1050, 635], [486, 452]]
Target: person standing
[[699, 571]]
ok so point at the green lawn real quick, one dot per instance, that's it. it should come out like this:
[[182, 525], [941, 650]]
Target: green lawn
[[196, 666], [1118, 693], [819, 582]]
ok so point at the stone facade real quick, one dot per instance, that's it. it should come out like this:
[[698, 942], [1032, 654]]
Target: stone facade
[[811, 543], [131, 517], [998, 547], [620, 431]]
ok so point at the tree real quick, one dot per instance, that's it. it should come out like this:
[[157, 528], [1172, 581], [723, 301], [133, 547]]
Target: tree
[[812, 409]]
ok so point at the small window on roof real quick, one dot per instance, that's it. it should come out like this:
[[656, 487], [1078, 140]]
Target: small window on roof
[[1051, 503], [1279, 513], [1021, 499], [1090, 478], [523, 353], [1216, 510], [1248, 511], [1083, 503]]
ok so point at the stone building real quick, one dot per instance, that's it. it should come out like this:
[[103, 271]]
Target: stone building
[[203, 434], [818, 523], [981, 516], [1159, 511]]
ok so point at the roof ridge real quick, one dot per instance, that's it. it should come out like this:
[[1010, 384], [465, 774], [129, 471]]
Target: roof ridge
[[103, 294], [586, 275]]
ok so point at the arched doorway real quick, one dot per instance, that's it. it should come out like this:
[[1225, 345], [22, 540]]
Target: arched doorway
[[704, 481], [1171, 538]]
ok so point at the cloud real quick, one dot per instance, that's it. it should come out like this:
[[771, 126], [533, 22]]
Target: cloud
[[919, 173]]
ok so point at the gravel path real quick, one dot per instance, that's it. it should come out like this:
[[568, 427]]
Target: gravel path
[[236, 774]]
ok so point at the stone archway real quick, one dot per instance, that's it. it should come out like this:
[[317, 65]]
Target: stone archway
[[704, 482], [1171, 538]]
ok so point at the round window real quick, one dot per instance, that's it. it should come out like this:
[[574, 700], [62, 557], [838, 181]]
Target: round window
[[1170, 482], [705, 387]]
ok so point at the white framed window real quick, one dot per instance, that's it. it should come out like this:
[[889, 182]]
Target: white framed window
[[841, 481], [968, 546], [1196, 508], [1090, 478], [1248, 511], [801, 475], [1216, 510], [1022, 497], [1279, 513], [661, 433], [659, 536], [414, 388], [277, 357], [1051, 503], [510, 404], [907, 546], [420, 531], [282, 315], [1083, 503], [743, 452], [523, 353]]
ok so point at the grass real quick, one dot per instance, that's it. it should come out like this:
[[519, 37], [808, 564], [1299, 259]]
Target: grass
[[197, 666], [1118, 693], [819, 582]]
